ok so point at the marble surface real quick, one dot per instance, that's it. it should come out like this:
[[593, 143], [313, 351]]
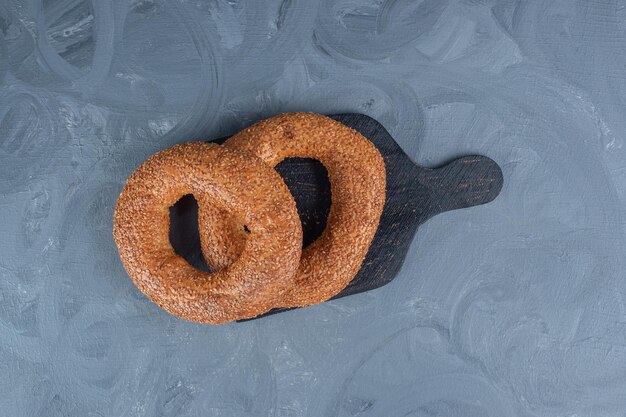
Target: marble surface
[[516, 308]]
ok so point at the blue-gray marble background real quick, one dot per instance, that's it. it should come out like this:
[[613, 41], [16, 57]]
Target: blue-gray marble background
[[516, 308]]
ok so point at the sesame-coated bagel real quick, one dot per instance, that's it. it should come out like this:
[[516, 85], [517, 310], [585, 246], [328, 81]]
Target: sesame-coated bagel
[[239, 184], [356, 171]]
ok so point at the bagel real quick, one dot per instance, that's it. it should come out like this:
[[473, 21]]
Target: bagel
[[357, 175], [239, 184]]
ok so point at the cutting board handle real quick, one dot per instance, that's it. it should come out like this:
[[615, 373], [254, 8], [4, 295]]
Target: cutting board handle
[[464, 182]]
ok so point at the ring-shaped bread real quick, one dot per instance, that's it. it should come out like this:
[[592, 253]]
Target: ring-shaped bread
[[357, 175], [239, 184]]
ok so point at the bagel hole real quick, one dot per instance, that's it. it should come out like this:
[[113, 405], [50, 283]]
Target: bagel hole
[[184, 234], [307, 179]]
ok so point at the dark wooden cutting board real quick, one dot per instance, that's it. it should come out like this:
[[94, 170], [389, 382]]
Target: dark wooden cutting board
[[414, 195]]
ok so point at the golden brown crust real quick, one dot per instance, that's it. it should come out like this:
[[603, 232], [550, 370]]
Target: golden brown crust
[[217, 176], [357, 175]]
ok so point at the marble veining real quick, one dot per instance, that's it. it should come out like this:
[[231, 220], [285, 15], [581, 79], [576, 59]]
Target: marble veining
[[515, 308]]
